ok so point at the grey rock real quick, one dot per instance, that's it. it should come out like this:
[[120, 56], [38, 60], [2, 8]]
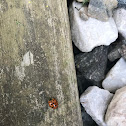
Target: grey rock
[[101, 9], [120, 20], [92, 65], [97, 9], [84, 83], [83, 12], [116, 78], [115, 52], [123, 51], [118, 51], [122, 3], [116, 112], [95, 101]]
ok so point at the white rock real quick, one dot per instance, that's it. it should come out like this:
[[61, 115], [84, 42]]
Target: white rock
[[120, 20], [80, 0], [95, 102], [116, 112], [116, 78], [91, 33]]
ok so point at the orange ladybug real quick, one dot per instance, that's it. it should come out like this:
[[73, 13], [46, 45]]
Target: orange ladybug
[[53, 103]]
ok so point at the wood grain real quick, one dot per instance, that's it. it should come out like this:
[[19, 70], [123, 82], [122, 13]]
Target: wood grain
[[36, 64]]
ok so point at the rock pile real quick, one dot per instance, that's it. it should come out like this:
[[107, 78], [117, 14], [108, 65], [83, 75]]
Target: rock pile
[[98, 29]]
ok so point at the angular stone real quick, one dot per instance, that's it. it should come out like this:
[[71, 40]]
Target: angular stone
[[116, 112], [116, 78], [89, 34], [123, 51], [101, 9], [120, 20], [92, 65], [115, 52], [97, 9], [122, 3], [95, 102], [83, 13]]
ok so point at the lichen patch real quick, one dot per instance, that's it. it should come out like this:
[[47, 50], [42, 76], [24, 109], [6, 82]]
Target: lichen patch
[[27, 61]]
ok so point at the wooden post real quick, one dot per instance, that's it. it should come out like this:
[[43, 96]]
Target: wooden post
[[36, 64]]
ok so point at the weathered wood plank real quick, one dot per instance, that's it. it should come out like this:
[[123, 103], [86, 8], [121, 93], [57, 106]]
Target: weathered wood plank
[[36, 63]]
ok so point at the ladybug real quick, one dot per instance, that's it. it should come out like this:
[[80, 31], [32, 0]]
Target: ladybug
[[53, 103]]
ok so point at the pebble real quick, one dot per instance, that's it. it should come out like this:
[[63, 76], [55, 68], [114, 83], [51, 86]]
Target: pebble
[[116, 77], [95, 101], [116, 112]]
